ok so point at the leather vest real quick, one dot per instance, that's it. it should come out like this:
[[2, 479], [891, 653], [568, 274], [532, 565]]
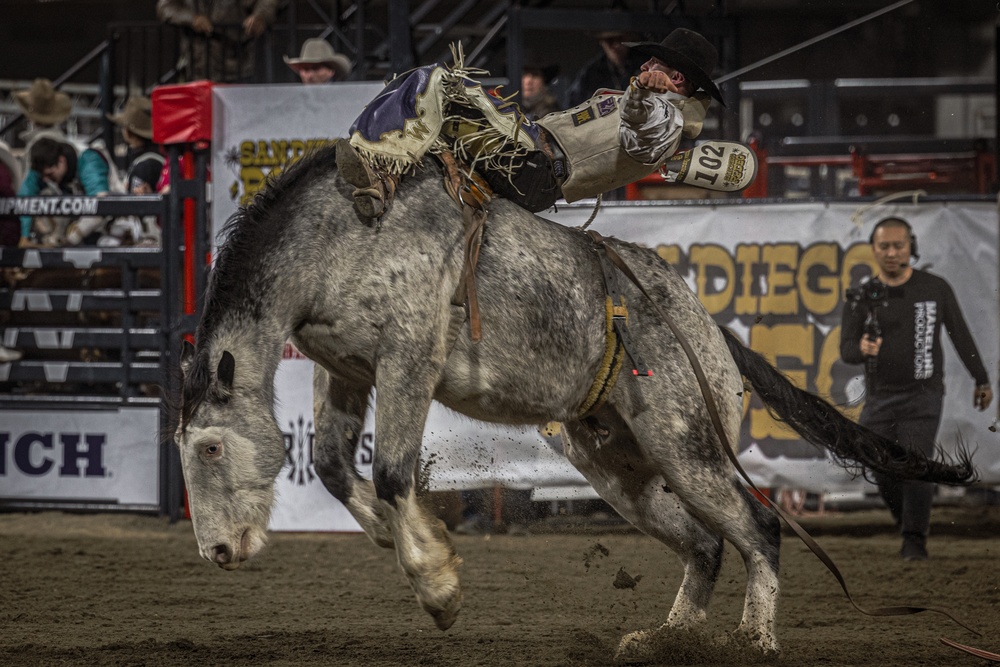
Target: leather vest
[[588, 135]]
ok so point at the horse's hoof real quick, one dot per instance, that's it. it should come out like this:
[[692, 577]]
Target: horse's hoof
[[635, 648], [690, 646], [445, 618], [751, 649]]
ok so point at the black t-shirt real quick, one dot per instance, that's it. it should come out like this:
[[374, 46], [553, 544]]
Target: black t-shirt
[[911, 333]]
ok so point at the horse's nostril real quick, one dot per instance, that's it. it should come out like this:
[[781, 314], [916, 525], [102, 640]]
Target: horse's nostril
[[221, 554]]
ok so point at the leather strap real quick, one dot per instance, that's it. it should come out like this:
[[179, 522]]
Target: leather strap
[[620, 315], [474, 220], [472, 194]]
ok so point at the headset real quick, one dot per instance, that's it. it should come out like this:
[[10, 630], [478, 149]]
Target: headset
[[900, 222]]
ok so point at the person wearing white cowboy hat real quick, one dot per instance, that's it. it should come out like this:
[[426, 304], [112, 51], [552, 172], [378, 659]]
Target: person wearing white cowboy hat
[[319, 63]]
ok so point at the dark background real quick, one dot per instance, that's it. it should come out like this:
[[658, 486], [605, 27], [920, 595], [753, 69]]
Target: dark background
[[924, 38]]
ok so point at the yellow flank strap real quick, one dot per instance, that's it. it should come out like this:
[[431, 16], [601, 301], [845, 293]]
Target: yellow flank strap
[[611, 362]]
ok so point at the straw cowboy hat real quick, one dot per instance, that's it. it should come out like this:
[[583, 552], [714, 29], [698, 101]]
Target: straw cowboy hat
[[317, 51], [136, 117], [689, 53], [43, 104]]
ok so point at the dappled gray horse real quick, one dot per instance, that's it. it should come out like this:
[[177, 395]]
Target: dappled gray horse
[[373, 307]]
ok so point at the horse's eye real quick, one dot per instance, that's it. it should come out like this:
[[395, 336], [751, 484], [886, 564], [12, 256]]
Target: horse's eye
[[213, 450]]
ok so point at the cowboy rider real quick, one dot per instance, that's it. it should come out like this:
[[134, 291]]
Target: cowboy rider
[[608, 141]]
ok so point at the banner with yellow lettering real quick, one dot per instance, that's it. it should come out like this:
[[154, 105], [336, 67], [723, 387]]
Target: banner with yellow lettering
[[259, 130], [776, 274]]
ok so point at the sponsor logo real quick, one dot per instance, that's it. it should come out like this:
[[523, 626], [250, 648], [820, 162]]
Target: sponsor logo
[[606, 106], [252, 161], [299, 440], [735, 168], [62, 454], [924, 319], [583, 116], [66, 206]]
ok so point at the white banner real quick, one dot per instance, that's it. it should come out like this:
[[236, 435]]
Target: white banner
[[458, 453], [86, 457], [257, 130]]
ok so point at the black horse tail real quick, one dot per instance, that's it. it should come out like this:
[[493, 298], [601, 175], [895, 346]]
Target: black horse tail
[[852, 446]]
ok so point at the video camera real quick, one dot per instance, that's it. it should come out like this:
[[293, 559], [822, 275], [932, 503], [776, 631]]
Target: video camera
[[874, 295], [871, 294]]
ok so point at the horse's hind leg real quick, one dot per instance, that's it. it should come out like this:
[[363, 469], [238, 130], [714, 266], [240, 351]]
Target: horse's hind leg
[[340, 417], [619, 473], [687, 452]]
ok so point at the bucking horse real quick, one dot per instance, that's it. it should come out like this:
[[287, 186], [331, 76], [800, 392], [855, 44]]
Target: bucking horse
[[373, 304]]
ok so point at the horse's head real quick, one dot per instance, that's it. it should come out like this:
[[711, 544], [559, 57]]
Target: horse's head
[[231, 452]]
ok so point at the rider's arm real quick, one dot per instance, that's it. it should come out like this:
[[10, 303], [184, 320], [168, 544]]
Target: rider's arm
[[651, 126]]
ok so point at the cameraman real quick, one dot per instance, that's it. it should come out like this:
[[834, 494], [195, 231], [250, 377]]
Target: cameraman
[[892, 324]]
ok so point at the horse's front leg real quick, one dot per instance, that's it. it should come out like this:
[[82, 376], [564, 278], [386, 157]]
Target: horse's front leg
[[339, 411], [423, 547]]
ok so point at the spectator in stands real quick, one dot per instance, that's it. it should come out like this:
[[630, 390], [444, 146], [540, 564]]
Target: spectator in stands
[[10, 178], [229, 55], [536, 98], [10, 226], [144, 158], [612, 68], [57, 170], [892, 324], [319, 63], [46, 110], [145, 164]]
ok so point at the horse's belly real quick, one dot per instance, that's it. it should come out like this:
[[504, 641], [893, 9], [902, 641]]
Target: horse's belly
[[510, 390]]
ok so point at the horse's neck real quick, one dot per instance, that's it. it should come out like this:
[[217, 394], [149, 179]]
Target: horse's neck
[[257, 350]]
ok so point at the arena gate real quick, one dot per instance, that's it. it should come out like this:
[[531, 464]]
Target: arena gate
[[81, 412]]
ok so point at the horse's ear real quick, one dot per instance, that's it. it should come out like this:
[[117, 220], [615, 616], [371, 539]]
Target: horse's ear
[[187, 357], [226, 371]]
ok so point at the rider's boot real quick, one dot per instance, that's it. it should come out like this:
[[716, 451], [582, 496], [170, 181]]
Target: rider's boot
[[374, 187]]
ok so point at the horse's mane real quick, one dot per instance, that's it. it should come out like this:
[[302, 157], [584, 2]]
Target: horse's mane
[[245, 267], [258, 223]]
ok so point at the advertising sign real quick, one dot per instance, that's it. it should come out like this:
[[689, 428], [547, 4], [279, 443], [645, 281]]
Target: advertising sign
[[93, 458]]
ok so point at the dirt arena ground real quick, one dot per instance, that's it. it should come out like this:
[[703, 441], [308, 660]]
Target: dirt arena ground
[[132, 590]]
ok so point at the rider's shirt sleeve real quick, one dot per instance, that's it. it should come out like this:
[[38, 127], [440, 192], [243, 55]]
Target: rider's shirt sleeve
[[651, 126]]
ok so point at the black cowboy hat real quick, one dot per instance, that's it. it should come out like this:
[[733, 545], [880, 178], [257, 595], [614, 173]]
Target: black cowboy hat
[[689, 53]]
